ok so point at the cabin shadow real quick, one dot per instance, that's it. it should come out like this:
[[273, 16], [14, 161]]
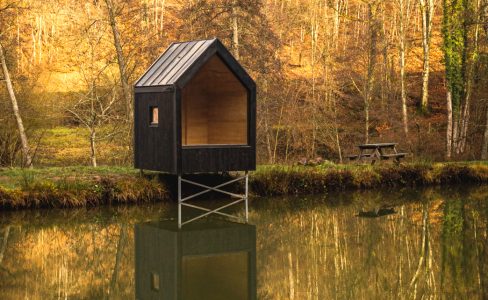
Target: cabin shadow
[[204, 260]]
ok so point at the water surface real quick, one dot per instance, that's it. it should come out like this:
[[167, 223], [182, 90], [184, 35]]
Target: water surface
[[395, 244]]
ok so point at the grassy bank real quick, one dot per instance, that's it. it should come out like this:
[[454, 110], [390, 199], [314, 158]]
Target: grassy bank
[[294, 180], [85, 186], [77, 187]]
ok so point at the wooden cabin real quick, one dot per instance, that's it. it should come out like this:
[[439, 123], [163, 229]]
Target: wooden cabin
[[204, 260], [195, 112]]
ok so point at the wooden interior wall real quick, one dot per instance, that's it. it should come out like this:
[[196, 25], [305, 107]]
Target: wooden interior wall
[[214, 107]]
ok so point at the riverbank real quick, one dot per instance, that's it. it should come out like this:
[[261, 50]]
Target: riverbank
[[85, 186]]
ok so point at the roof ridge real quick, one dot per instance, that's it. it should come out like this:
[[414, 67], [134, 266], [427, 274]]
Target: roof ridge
[[200, 40]]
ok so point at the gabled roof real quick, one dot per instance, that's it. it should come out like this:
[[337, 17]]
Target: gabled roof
[[182, 60]]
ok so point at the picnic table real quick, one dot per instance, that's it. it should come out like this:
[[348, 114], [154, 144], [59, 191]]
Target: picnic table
[[380, 151]]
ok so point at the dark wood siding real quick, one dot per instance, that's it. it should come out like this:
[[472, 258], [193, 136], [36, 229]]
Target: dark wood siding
[[215, 159], [155, 146]]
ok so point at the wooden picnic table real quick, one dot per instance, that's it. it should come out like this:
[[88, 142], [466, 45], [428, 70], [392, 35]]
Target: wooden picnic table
[[379, 151]]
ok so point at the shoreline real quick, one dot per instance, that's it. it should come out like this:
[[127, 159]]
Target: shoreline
[[75, 187]]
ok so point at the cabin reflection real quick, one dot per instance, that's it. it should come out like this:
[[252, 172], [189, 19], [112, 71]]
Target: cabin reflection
[[203, 260]]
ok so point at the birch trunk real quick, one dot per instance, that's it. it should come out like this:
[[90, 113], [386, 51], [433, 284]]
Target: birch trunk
[[120, 59], [427, 12], [93, 153], [404, 5], [235, 31], [27, 159], [449, 126]]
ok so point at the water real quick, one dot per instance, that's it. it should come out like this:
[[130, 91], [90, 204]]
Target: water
[[395, 244]]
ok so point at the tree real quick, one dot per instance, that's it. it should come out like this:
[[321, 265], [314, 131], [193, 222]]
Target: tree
[[27, 159], [120, 58], [94, 108], [427, 10], [472, 27], [454, 47], [404, 17], [373, 30]]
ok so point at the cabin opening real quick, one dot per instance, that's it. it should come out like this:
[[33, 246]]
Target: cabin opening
[[214, 107]]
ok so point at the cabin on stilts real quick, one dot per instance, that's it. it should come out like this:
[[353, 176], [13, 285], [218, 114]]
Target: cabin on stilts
[[195, 112]]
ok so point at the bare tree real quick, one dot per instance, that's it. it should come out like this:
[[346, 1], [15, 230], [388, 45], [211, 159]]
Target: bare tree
[[373, 30], [27, 159], [404, 17], [122, 64], [427, 9], [94, 106]]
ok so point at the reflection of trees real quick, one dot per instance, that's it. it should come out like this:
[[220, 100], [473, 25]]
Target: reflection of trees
[[118, 261], [3, 246], [424, 267], [77, 254], [454, 275], [324, 252], [82, 262]]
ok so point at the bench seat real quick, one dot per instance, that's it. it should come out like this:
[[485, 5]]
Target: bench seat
[[395, 155], [353, 157]]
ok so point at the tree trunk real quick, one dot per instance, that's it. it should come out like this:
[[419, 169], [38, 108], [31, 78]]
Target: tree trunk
[[120, 59], [449, 126], [484, 149], [470, 80], [403, 50], [27, 159], [93, 153], [427, 11], [235, 31], [368, 91]]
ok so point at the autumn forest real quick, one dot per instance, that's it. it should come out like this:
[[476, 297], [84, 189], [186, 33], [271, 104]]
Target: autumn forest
[[330, 74]]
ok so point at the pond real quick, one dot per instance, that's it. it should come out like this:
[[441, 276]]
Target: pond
[[390, 244]]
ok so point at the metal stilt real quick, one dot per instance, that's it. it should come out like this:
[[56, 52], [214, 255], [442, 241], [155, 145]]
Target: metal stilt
[[218, 188], [247, 193], [179, 201]]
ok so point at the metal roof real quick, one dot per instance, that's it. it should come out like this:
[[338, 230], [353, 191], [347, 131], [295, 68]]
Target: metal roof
[[173, 63]]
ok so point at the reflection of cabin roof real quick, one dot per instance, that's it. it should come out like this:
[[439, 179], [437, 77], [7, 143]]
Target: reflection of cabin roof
[[178, 61]]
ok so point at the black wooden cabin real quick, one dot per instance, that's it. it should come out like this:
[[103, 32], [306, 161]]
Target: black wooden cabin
[[195, 112]]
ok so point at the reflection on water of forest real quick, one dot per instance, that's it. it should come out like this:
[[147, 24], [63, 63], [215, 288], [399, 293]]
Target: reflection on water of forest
[[433, 243]]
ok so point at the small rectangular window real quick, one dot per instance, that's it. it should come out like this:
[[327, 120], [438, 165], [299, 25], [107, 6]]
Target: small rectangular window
[[154, 115], [154, 281]]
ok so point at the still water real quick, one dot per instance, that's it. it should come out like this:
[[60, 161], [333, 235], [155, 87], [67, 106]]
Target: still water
[[390, 244]]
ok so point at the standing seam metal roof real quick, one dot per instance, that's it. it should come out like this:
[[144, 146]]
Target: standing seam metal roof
[[173, 63]]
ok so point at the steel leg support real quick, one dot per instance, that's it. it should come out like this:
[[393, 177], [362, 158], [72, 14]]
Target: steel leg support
[[240, 198]]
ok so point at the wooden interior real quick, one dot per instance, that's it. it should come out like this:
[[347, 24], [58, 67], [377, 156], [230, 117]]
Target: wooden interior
[[214, 107]]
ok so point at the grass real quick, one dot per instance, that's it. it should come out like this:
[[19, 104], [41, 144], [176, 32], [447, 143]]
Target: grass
[[85, 186], [77, 187], [286, 180], [66, 146]]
